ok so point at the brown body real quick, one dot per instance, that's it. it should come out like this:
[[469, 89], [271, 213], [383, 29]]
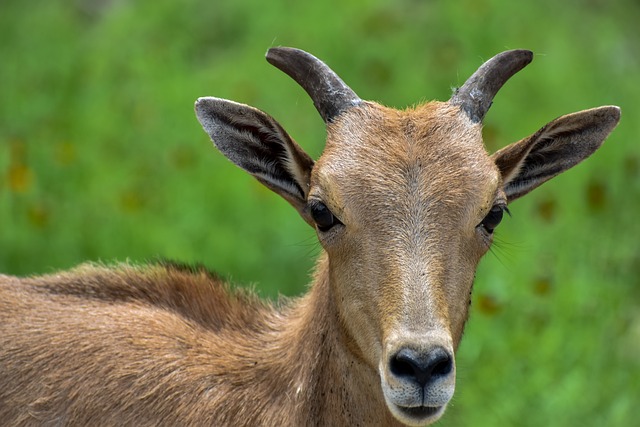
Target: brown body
[[404, 204], [168, 345]]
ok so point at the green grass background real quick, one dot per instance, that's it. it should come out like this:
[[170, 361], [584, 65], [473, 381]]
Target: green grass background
[[101, 158]]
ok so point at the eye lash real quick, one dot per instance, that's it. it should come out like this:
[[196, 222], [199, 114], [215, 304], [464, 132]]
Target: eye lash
[[502, 204]]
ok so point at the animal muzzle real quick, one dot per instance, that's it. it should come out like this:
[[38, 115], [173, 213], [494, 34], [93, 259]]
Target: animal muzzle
[[418, 381]]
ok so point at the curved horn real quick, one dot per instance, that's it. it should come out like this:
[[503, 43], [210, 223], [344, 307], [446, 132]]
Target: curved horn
[[329, 93], [476, 95]]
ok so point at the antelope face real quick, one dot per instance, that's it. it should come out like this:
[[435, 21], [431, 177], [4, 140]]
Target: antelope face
[[400, 201], [404, 204]]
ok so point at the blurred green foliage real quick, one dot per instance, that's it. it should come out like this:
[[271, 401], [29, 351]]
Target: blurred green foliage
[[101, 158]]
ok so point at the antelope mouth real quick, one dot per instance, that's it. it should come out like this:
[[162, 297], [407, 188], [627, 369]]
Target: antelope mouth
[[421, 413]]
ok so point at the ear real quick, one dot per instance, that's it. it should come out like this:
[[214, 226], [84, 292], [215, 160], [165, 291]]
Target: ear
[[258, 144], [556, 147]]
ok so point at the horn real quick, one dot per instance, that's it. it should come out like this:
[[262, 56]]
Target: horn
[[330, 95], [476, 95]]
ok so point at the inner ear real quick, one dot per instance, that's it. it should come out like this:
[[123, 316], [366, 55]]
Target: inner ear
[[258, 144]]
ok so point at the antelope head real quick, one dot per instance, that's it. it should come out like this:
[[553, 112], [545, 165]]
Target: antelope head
[[405, 204]]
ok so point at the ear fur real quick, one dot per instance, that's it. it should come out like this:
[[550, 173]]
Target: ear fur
[[558, 146], [258, 144]]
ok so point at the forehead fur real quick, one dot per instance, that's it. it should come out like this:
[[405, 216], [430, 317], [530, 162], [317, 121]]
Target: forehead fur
[[432, 152]]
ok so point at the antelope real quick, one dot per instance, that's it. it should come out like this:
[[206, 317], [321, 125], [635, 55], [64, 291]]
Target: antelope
[[404, 203]]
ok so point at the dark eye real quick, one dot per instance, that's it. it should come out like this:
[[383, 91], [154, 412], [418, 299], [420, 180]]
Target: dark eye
[[322, 216], [493, 218]]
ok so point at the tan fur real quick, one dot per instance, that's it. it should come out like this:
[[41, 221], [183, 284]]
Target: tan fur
[[168, 345], [153, 344], [162, 345]]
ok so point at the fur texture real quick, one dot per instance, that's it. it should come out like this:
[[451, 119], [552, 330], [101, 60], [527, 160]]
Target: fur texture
[[409, 201]]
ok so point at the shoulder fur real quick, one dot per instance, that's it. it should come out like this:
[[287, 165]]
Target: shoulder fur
[[190, 291]]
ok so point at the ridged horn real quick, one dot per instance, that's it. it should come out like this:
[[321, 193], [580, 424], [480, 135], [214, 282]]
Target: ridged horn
[[476, 95], [330, 95]]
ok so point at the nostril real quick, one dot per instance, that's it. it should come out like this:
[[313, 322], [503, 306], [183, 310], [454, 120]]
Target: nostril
[[403, 364], [442, 365], [421, 367]]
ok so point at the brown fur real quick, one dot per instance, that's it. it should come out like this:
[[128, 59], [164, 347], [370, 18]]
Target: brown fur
[[165, 345], [168, 345]]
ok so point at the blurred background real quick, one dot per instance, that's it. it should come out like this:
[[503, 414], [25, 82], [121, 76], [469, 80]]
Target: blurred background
[[102, 159]]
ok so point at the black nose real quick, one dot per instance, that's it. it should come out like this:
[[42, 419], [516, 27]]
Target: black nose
[[422, 367]]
